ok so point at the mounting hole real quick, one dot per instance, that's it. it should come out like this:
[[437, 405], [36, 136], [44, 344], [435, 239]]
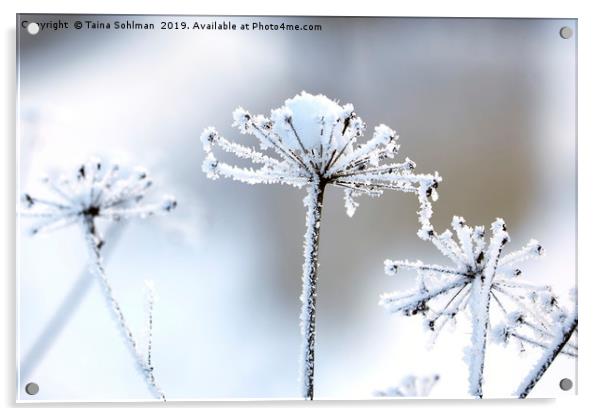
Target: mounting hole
[[32, 389], [566, 384], [33, 28], [566, 32]]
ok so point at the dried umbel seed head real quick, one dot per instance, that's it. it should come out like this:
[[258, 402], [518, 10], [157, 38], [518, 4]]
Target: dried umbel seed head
[[314, 139], [311, 142], [442, 291], [95, 191], [484, 282]]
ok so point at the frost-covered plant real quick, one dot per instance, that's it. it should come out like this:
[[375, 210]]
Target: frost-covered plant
[[96, 193], [311, 142], [479, 278], [411, 386], [567, 326], [538, 329]]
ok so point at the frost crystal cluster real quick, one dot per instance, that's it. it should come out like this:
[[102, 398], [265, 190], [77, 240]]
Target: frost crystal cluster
[[311, 142], [478, 278], [94, 193], [411, 386]]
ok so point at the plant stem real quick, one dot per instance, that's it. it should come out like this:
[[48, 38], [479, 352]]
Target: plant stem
[[98, 270], [313, 203], [563, 337], [480, 302]]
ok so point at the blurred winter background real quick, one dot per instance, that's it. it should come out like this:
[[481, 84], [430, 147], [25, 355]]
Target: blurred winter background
[[489, 103]]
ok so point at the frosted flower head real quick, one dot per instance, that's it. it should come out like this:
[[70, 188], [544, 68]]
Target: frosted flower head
[[443, 291], [311, 139], [94, 191]]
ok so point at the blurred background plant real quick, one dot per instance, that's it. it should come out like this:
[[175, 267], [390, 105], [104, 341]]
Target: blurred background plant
[[95, 193]]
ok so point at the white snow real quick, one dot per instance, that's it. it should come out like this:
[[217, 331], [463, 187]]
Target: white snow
[[307, 121]]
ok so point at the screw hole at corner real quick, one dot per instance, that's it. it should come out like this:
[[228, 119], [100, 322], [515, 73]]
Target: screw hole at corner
[[566, 32], [32, 389], [33, 28], [566, 384]]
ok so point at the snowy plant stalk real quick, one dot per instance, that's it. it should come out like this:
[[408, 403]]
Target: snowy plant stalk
[[481, 279], [314, 203], [555, 348], [97, 193], [149, 346], [312, 142], [480, 302], [98, 270]]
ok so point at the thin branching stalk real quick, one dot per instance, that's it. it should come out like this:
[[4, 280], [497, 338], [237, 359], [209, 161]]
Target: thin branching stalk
[[150, 373], [94, 193], [555, 348], [98, 270], [314, 203], [568, 351]]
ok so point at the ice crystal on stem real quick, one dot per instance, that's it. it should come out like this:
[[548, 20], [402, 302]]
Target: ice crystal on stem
[[480, 277], [411, 386], [311, 142], [96, 193]]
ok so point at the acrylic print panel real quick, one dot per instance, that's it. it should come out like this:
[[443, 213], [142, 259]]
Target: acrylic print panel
[[149, 268]]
